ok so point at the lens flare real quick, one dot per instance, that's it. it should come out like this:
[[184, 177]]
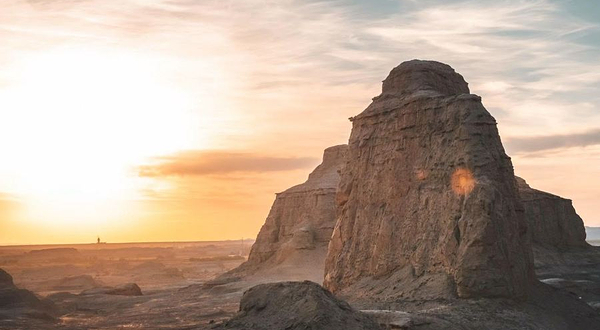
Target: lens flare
[[462, 181]]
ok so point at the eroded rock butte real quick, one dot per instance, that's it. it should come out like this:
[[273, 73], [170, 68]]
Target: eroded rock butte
[[428, 206], [292, 243]]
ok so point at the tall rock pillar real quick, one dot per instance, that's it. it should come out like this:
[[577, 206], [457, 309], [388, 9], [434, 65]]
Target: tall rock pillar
[[427, 205]]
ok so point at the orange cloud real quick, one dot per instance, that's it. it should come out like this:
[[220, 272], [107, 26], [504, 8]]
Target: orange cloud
[[548, 142], [200, 162]]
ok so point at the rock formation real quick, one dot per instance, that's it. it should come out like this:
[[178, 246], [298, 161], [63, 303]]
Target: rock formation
[[295, 306], [292, 244], [18, 303], [13, 297], [73, 283], [552, 220], [563, 258], [128, 289], [428, 206], [6, 281]]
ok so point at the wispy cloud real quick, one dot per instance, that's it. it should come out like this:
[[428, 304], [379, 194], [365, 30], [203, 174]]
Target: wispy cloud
[[283, 76], [549, 142], [198, 163], [532, 49]]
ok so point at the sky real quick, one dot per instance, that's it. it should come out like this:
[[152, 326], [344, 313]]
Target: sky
[[179, 120]]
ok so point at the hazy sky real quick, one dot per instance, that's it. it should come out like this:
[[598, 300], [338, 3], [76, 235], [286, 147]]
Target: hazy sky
[[179, 120]]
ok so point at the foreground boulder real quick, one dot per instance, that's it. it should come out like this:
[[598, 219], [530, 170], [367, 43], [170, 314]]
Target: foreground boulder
[[428, 207], [292, 244], [296, 306]]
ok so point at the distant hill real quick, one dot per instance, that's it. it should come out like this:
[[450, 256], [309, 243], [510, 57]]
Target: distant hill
[[593, 235]]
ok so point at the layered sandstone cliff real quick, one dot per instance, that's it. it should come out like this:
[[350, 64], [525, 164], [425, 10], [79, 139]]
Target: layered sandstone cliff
[[552, 219], [292, 243], [427, 204], [563, 258]]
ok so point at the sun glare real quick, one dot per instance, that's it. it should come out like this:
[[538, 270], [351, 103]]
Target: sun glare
[[75, 122], [462, 181]]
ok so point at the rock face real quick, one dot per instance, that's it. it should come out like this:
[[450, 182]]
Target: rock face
[[6, 281], [428, 206], [19, 303], [296, 306], [563, 258], [552, 220], [299, 225]]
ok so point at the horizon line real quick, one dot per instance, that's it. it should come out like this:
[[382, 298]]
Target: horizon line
[[117, 243]]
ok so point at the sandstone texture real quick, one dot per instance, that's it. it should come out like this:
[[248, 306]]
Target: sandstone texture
[[563, 258], [296, 306], [292, 244], [552, 220], [428, 206]]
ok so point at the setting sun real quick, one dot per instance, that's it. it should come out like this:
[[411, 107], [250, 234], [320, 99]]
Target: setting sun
[[81, 121]]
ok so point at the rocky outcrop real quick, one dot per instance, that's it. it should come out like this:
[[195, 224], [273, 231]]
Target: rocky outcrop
[[74, 283], [18, 303], [128, 289], [6, 281], [292, 244], [428, 206], [563, 258], [296, 306], [552, 220]]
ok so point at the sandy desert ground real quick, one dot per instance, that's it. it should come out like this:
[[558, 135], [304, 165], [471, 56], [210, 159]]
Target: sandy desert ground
[[170, 276]]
